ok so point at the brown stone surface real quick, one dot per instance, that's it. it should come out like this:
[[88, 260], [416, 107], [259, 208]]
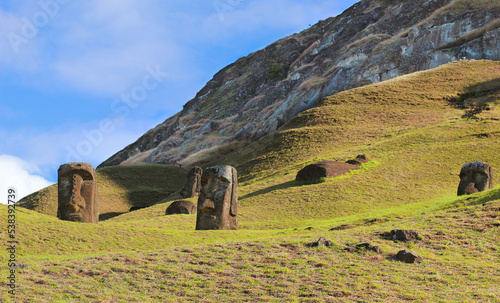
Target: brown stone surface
[[360, 159], [362, 247], [193, 184], [218, 200], [181, 207], [408, 257], [324, 169], [321, 242], [77, 193], [404, 235], [475, 177]]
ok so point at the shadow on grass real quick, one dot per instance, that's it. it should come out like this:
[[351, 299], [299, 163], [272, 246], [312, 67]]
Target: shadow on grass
[[272, 188], [106, 216], [494, 195], [475, 199]]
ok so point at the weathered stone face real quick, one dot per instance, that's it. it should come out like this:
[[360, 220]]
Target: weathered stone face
[[181, 207], [77, 193], [475, 177], [218, 200], [193, 184]]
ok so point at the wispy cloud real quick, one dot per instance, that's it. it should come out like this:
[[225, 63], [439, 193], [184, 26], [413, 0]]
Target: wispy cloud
[[20, 175], [65, 78]]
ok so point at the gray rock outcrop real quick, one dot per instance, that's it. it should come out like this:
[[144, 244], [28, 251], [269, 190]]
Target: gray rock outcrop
[[370, 42]]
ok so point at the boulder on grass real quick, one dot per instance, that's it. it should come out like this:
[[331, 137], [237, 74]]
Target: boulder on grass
[[321, 242], [181, 207], [408, 257], [324, 169], [360, 159], [404, 235]]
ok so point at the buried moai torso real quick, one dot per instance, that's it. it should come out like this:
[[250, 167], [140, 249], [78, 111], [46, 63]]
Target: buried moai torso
[[77, 193], [475, 177], [193, 184], [218, 200]]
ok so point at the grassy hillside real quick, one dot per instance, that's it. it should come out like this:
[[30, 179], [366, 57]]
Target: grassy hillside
[[417, 130], [119, 188]]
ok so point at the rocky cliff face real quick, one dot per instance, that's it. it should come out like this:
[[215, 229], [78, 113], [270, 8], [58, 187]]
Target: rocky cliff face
[[374, 40]]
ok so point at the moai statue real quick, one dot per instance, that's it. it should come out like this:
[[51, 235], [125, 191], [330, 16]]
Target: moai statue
[[218, 200], [77, 193], [475, 177], [193, 185]]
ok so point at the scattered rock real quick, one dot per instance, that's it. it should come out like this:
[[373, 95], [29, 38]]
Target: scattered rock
[[404, 235], [408, 257], [321, 242], [362, 246], [368, 246], [193, 184], [342, 227], [360, 159], [475, 177], [324, 169], [181, 207]]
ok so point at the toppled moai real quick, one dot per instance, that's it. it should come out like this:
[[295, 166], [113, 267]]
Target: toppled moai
[[77, 193], [324, 169], [181, 207], [475, 177], [218, 200], [193, 184]]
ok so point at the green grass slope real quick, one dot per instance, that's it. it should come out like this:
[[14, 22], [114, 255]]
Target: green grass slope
[[415, 132], [119, 188]]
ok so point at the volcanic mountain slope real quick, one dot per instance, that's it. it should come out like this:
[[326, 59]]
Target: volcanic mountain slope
[[418, 130], [372, 41]]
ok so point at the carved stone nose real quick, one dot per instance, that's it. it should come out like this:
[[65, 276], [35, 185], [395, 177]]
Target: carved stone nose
[[470, 189], [75, 203], [207, 206]]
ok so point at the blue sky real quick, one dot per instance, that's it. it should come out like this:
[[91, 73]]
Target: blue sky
[[80, 80]]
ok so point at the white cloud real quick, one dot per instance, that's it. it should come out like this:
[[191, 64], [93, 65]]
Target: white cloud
[[20, 175]]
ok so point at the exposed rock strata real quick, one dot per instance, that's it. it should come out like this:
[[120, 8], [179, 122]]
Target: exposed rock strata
[[373, 41]]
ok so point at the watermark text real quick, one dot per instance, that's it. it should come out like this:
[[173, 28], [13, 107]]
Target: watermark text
[[11, 239]]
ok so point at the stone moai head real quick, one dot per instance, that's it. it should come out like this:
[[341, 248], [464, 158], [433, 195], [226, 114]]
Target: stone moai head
[[218, 200], [193, 184], [77, 193], [475, 177]]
